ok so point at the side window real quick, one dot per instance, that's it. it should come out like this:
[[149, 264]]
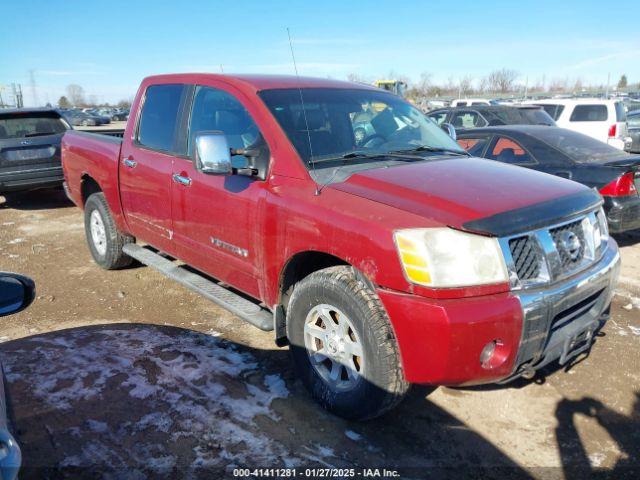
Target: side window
[[215, 109], [634, 121], [438, 117], [159, 117], [468, 119], [509, 151], [554, 111], [589, 113], [475, 146], [621, 114]]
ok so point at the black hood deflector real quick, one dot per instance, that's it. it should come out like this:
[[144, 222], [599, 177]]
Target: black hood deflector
[[536, 216]]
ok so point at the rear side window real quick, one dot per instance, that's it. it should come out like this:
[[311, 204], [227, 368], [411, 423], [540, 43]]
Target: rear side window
[[634, 121], [509, 151], [475, 146], [589, 113], [20, 125], [159, 117], [468, 119], [554, 111], [621, 115], [438, 117]]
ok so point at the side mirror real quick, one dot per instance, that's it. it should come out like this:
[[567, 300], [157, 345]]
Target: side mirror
[[16, 293], [213, 155], [450, 129]]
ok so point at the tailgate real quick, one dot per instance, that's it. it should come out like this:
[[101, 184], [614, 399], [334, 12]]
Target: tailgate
[[29, 153]]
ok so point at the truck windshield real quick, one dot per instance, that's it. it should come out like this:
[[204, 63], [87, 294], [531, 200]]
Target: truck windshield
[[336, 123]]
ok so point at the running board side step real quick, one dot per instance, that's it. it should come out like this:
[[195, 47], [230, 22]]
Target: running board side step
[[236, 304]]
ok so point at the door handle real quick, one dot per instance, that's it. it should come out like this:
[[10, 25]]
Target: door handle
[[186, 181], [129, 162]]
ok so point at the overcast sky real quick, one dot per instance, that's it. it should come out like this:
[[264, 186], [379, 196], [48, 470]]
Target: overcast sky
[[109, 46]]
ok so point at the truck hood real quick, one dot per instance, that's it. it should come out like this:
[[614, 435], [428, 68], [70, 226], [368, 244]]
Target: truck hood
[[474, 194]]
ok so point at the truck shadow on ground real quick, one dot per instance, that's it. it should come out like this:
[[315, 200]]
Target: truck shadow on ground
[[44, 199], [624, 430], [627, 239], [147, 401]]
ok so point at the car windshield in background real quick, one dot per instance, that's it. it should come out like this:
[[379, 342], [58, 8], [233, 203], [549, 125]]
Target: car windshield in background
[[580, 148], [19, 125], [339, 122]]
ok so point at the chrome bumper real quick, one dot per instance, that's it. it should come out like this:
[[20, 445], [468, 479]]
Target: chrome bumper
[[561, 320]]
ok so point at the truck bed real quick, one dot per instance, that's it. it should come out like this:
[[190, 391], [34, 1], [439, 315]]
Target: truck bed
[[88, 157]]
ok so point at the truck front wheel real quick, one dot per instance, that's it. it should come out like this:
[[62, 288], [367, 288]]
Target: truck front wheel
[[343, 346], [104, 239]]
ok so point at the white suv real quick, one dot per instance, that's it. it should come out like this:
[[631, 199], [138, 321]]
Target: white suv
[[604, 120]]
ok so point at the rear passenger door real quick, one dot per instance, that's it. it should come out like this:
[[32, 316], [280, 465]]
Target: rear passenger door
[[146, 166]]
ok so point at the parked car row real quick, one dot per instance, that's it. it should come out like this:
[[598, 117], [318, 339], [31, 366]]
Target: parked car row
[[604, 120]]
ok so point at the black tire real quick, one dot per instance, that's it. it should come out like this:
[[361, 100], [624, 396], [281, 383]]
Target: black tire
[[381, 384], [111, 257]]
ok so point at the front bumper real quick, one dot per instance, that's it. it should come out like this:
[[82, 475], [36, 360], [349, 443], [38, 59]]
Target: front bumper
[[441, 340], [31, 178], [623, 213]]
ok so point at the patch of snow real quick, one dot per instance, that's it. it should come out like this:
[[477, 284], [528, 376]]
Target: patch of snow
[[634, 330], [98, 427], [7, 224], [596, 459], [16, 241], [193, 387], [356, 437]]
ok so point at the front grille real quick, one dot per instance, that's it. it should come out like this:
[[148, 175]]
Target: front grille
[[525, 257], [569, 257]]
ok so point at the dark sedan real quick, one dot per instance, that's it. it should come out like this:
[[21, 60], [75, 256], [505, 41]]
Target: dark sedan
[[565, 153], [30, 149], [633, 122], [477, 116], [77, 118]]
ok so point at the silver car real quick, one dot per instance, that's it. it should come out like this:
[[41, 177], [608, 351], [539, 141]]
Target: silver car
[[16, 293]]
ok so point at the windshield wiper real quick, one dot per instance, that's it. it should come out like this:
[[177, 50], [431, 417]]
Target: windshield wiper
[[429, 148], [398, 155]]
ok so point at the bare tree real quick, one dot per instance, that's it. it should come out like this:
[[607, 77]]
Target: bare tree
[[356, 78], [465, 85], [75, 94], [124, 103], [501, 81]]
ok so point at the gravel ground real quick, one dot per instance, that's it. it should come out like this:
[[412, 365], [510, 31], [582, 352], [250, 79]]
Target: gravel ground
[[128, 375]]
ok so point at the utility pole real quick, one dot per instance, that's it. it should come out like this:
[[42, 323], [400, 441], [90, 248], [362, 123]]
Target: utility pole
[[608, 80], [17, 95], [34, 90]]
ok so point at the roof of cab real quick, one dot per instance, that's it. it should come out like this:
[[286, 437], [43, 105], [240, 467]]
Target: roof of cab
[[260, 82]]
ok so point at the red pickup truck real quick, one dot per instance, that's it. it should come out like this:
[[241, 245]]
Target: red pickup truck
[[342, 218]]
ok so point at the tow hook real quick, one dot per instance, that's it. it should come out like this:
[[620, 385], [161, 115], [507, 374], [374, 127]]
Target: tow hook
[[528, 373]]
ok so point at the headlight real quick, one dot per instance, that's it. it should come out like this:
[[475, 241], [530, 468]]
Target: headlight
[[443, 257]]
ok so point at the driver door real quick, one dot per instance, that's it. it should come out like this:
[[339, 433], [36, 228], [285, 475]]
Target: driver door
[[216, 218]]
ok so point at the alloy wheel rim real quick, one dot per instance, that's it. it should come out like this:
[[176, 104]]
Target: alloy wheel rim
[[98, 232], [334, 347]]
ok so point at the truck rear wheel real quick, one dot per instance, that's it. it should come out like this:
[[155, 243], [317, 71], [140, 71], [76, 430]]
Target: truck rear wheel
[[104, 239], [343, 346]]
